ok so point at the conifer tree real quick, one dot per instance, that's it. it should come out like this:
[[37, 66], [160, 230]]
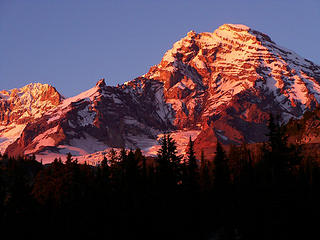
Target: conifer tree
[[174, 158], [163, 158], [204, 173], [69, 159], [123, 157], [120, 170], [282, 158], [112, 157], [131, 168], [169, 162], [144, 169], [221, 169], [192, 166], [105, 171], [141, 165]]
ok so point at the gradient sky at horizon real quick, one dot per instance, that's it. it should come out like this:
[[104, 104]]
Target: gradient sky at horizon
[[71, 44]]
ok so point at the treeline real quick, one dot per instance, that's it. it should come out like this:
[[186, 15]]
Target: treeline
[[240, 194]]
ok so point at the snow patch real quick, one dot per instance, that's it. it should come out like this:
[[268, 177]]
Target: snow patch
[[89, 94]]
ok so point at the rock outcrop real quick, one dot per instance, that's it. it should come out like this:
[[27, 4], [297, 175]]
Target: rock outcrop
[[18, 107]]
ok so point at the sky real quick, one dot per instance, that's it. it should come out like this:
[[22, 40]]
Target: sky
[[71, 44]]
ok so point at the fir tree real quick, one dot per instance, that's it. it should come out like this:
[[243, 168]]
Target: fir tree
[[282, 158], [105, 171], [204, 174], [112, 157], [69, 159], [192, 166], [169, 162], [174, 158], [132, 168], [221, 169]]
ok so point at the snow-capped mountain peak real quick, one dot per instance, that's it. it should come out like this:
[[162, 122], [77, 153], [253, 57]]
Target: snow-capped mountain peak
[[21, 106], [221, 84]]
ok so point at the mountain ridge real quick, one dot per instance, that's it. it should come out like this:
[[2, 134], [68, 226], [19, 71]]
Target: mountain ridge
[[222, 84], [20, 106]]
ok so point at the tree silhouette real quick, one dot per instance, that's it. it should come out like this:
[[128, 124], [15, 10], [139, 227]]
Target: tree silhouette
[[169, 162], [282, 158], [205, 178], [192, 167], [131, 196], [221, 169]]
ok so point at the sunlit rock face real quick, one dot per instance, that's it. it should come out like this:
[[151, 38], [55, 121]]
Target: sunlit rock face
[[18, 107], [130, 115], [231, 79], [222, 84], [27, 103]]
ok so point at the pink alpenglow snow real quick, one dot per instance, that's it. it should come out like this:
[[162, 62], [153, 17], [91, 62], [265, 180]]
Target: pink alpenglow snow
[[214, 86]]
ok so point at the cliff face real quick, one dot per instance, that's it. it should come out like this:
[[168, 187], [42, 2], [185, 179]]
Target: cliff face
[[18, 107], [227, 82], [206, 70], [222, 85]]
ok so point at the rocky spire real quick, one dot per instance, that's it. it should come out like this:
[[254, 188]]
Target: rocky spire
[[101, 83]]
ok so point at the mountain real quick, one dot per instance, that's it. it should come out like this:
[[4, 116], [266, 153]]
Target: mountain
[[219, 86], [18, 107], [230, 80], [104, 116]]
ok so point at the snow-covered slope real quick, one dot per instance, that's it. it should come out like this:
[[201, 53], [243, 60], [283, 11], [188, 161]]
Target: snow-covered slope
[[149, 147], [214, 67], [222, 85], [229, 81], [18, 107], [130, 116]]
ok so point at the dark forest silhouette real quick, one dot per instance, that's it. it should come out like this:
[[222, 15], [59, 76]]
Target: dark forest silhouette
[[240, 194]]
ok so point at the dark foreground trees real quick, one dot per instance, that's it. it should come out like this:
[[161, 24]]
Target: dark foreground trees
[[240, 194]]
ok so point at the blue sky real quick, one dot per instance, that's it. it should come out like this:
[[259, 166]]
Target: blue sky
[[71, 44]]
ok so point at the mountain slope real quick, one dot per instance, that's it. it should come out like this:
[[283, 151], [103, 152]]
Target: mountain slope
[[24, 105], [229, 81], [223, 85], [214, 67], [101, 117]]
